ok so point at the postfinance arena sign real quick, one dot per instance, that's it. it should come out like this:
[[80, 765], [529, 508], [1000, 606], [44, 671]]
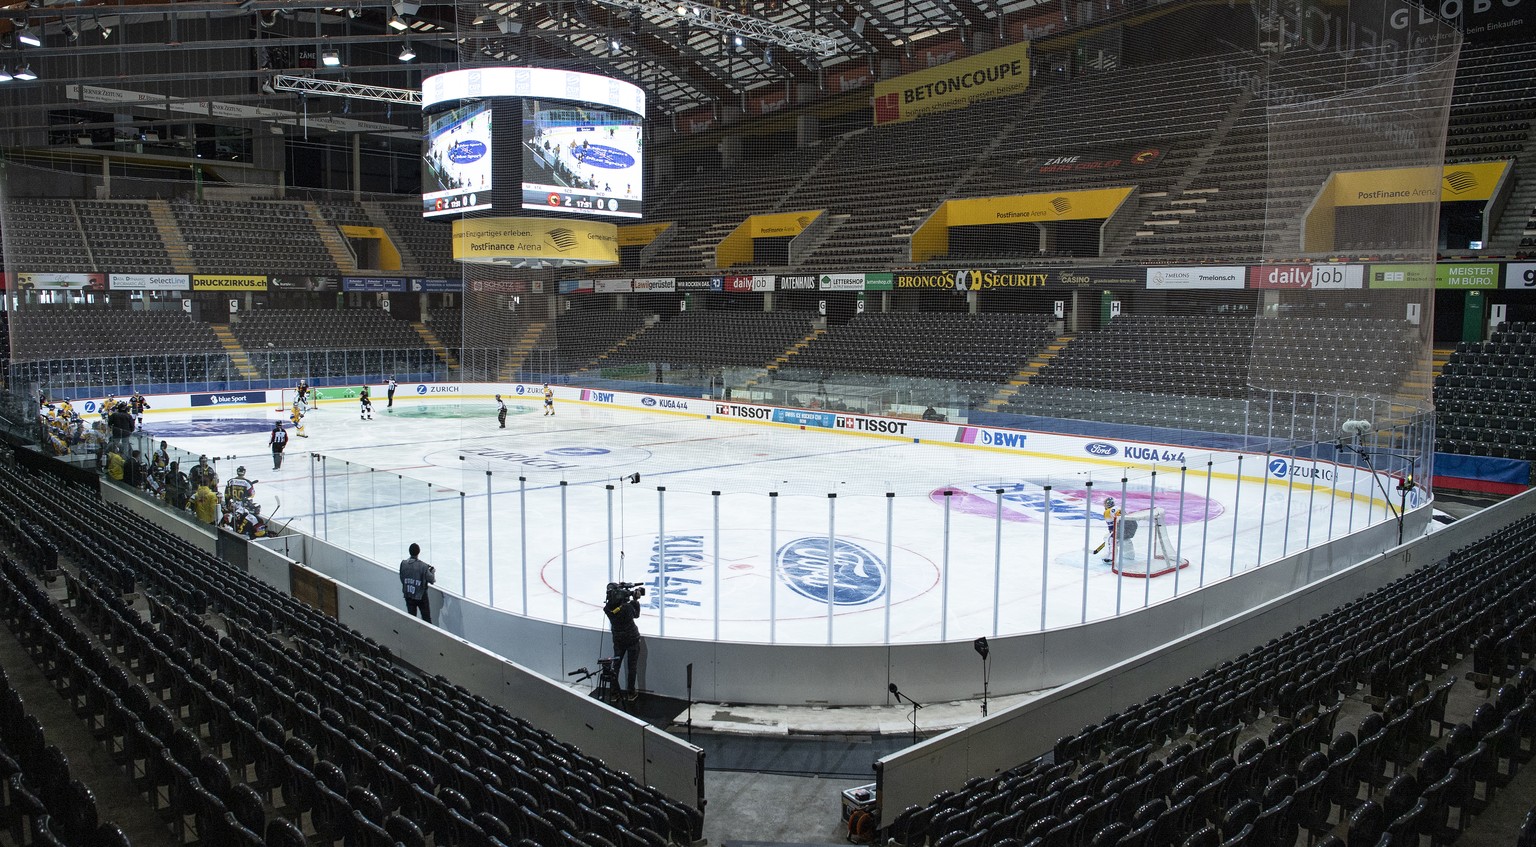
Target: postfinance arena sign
[[953, 85], [556, 243]]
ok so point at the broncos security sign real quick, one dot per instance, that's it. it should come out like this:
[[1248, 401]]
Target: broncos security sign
[[858, 576]]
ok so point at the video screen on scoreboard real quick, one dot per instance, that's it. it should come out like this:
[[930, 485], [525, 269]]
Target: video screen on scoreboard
[[581, 160], [456, 165]]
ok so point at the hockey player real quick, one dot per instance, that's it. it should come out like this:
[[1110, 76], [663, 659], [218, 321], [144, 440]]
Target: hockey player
[[549, 400], [1110, 515], [137, 404], [296, 415], [1121, 530], [501, 411], [239, 488], [177, 488], [364, 405], [162, 457], [301, 395], [203, 474]]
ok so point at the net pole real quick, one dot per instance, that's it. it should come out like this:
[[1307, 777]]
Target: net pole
[[1370, 504], [1178, 547], [1237, 501], [831, 557], [1263, 506], [944, 594], [314, 512], [609, 488], [997, 560], [1290, 483], [463, 550], [716, 496], [325, 496], [773, 577], [1338, 469], [661, 558], [522, 512], [1146, 590], [1354, 467], [490, 542], [565, 558], [890, 561], [1311, 498], [1087, 542], [1045, 556], [1114, 549]]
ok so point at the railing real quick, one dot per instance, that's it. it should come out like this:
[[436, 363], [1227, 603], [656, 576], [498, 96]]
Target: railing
[[76, 378], [929, 544]]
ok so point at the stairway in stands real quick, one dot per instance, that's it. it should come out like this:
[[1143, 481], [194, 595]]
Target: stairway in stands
[[331, 238], [597, 363], [170, 234], [237, 355], [430, 338], [409, 264], [533, 334], [783, 359], [1037, 363]]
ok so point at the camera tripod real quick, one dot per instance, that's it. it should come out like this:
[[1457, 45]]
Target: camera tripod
[[608, 682]]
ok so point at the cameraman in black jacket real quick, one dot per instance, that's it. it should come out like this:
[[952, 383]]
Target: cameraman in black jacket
[[622, 608]]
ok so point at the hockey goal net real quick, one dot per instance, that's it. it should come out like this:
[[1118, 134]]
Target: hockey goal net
[[1129, 553], [286, 396]]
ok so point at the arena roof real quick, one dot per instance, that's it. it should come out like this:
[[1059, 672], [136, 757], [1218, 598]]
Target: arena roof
[[215, 58]]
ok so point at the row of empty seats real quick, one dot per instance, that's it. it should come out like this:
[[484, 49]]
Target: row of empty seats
[[1265, 748], [246, 717]]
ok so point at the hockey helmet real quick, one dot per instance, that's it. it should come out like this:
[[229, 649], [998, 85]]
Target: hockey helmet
[[1109, 502], [240, 471]]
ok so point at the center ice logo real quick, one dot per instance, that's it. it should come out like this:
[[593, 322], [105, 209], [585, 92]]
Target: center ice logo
[[858, 576], [576, 451], [465, 152]]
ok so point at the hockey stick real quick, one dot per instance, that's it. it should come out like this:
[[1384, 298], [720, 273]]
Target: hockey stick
[[1100, 547]]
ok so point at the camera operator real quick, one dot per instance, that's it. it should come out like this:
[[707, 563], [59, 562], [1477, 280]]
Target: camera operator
[[622, 608]]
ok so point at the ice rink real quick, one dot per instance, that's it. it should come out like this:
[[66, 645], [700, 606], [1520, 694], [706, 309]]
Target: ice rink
[[732, 522]]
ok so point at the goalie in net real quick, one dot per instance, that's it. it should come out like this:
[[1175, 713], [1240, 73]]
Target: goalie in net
[[1124, 550], [301, 394]]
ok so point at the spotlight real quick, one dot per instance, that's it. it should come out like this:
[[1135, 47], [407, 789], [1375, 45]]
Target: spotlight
[[406, 53], [614, 45], [28, 37], [682, 9], [330, 59], [405, 7], [398, 23], [25, 73], [509, 26], [5, 74], [70, 35]]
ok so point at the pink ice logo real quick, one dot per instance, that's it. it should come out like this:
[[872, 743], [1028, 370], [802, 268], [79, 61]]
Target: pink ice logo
[[1029, 502]]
